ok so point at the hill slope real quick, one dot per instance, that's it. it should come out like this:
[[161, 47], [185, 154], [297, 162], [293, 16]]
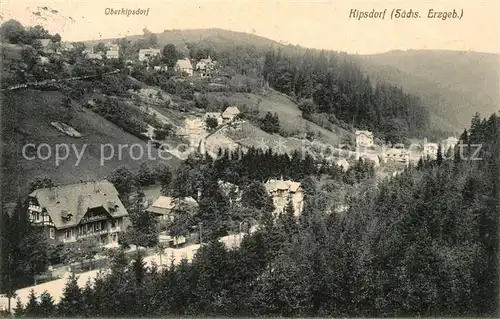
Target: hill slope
[[452, 84], [26, 118]]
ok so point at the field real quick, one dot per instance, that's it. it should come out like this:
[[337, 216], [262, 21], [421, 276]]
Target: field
[[26, 118]]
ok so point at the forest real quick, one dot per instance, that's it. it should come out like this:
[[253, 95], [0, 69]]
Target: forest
[[332, 84], [423, 243]]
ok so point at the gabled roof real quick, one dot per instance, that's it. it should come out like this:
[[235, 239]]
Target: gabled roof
[[166, 203], [367, 133], [94, 56], [184, 64], [45, 42], [231, 111], [77, 199], [273, 185], [150, 50]]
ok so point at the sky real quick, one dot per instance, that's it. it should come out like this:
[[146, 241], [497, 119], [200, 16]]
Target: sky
[[313, 24]]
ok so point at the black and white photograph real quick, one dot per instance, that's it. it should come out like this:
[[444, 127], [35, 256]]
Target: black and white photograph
[[236, 158]]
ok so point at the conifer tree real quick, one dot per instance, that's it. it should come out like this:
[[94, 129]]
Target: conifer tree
[[71, 303], [47, 306], [19, 308], [32, 307]]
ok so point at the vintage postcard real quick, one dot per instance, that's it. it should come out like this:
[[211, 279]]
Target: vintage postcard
[[249, 158]]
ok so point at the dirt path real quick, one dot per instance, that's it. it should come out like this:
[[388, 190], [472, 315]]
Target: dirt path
[[55, 287]]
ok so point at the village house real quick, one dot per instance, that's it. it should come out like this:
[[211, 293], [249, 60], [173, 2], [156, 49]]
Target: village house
[[147, 54], [47, 45], [284, 191], [72, 212], [398, 153], [93, 56], [112, 54], [449, 143], [230, 114], [205, 67], [364, 139], [430, 150], [184, 66], [160, 68], [163, 206], [66, 46]]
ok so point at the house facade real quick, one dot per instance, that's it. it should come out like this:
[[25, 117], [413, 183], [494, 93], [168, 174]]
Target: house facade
[[206, 67], [430, 150], [147, 54], [112, 54], [364, 138], [78, 211], [449, 143], [184, 66], [93, 56], [284, 191]]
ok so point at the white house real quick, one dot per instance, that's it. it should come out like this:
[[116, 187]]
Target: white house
[[430, 149], [184, 65], [66, 46], [364, 138], [205, 67], [93, 56], [47, 45], [147, 54], [112, 54], [448, 143], [284, 191]]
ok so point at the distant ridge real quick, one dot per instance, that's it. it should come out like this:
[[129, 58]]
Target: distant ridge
[[452, 84]]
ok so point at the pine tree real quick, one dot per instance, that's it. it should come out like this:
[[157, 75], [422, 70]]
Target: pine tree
[[254, 196], [71, 303], [47, 306], [439, 156], [138, 267], [32, 307], [19, 308]]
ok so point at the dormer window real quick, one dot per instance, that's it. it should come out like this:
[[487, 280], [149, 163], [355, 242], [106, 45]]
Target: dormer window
[[66, 216]]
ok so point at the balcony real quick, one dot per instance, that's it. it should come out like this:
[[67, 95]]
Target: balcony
[[35, 208], [94, 233]]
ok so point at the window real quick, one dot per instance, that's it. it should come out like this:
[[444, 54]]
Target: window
[[52, 233], [113, 224], [97, 226], [67, 233], [37, 216]]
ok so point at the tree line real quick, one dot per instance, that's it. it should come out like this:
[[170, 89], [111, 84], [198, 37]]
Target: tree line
[[332, 84]]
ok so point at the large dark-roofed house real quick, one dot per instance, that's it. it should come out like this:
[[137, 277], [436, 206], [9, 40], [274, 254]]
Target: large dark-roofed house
[[76, 211]]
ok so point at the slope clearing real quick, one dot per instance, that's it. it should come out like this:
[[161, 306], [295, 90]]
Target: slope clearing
[[26, 118]]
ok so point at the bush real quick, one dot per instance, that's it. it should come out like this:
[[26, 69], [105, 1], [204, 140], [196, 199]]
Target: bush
[[211, 123], [270, 123]]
